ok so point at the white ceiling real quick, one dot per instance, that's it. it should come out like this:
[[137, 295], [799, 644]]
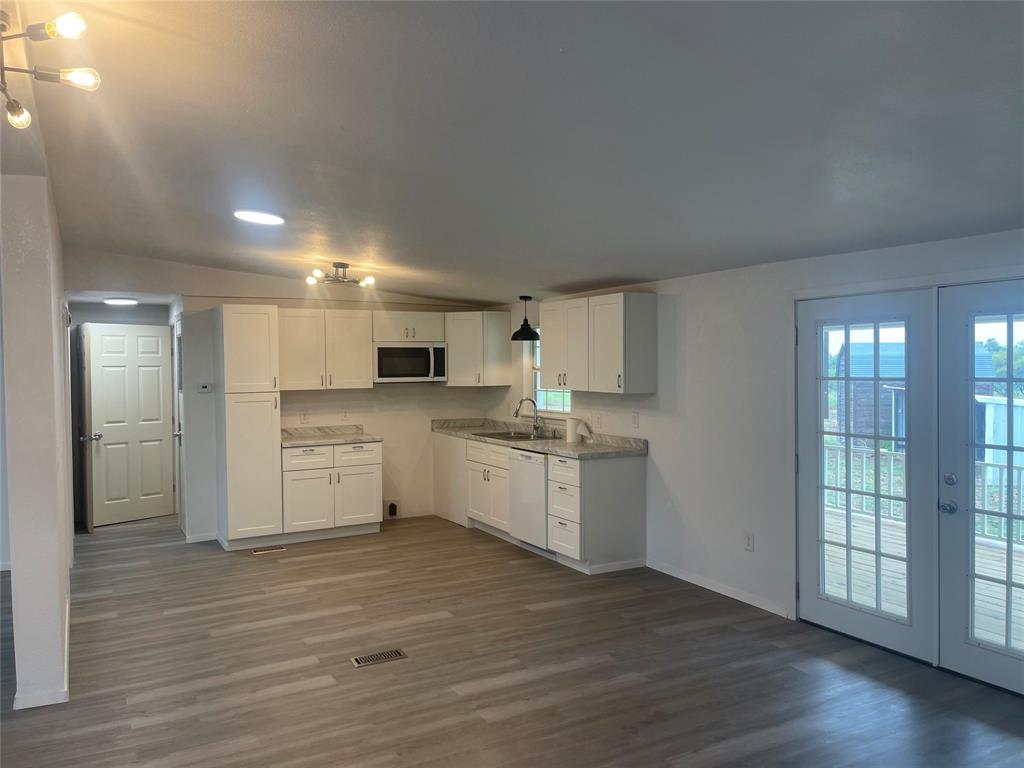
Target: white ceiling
[[480, 151]]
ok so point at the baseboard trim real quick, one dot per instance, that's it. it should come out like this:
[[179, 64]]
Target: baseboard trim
[[723, 589], [31, 699], [197, 537], [568, 562], [235, 545]]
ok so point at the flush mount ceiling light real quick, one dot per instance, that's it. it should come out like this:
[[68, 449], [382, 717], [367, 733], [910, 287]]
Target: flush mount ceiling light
[[260, 217], [120, 302], [69, 26], [340, 277], [525, 332]]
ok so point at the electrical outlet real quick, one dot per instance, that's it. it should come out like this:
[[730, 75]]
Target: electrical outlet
[[304, 417], [636, 419], [748, 541]]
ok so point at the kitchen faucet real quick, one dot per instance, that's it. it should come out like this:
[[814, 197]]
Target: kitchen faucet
[[536, 416]]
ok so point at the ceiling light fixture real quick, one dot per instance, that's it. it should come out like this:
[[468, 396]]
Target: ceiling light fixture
[[69, 26], [525, 332], [260, 217], [340, 277], [121, 301]]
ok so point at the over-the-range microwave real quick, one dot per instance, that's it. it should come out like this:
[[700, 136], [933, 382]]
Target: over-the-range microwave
[[410, 361]]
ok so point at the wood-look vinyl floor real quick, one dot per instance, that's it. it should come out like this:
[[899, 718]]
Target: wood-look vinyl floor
[[183, 655]]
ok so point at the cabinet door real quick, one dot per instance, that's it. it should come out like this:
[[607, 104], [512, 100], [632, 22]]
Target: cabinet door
[[349, 348], [302, 350], [465, 334], [576, 374], [607, 326], [250, 348], [498, 349], [252, 445], [427, 326], [552, 347], [479, 495], [308, 500], [498, 480], [392, 326], [358, 495]]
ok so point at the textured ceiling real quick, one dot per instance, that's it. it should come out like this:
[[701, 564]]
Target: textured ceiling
[[480, 151]]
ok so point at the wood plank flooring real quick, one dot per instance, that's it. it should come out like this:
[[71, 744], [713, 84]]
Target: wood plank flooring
[[183, 655]]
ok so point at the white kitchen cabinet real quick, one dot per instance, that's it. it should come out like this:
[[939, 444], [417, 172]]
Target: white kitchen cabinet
[[308, 500], [248, 346], [478, 499], [497, 479], [358, 496], [564, 356], [479, 349], [450, 478], [349, 348], [624, 343], [301, 338], [390, 325], [250, 465], [488, 488]]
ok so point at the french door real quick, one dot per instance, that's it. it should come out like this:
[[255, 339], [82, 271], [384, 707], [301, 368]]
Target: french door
[[911, 445], [867, 552], [981, 464]]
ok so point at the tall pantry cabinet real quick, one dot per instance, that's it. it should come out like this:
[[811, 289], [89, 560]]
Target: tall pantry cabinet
[[248, 409]]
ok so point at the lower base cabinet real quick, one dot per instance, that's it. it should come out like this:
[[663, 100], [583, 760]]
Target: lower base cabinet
[[488, 495], [332, 497]]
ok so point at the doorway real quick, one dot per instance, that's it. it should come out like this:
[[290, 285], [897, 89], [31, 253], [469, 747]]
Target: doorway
[[879, 429]]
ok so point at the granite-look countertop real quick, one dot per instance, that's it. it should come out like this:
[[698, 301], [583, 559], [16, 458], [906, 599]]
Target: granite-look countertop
[[551, 442], [337, 435]]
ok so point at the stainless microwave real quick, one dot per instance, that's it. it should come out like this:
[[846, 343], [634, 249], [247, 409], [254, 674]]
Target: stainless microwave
[[410, 361]]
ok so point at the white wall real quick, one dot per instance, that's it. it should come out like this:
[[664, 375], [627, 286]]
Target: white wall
[[37, 422], [721, 427]]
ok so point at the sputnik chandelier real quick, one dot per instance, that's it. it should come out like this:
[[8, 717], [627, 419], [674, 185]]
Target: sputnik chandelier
[[68, 26], [340, 277]]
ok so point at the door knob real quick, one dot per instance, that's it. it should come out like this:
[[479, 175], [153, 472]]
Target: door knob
[[179, 433], [91, 438], [948, 507], [949, 478]]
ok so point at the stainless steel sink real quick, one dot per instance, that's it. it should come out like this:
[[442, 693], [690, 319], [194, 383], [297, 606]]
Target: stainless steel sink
[[513, 436]]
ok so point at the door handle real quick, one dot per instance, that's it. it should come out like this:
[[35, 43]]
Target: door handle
[[177, 434], [95, 436], [948, 507]]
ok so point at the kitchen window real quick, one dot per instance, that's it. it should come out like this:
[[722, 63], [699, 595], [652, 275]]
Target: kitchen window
[[550, 400]]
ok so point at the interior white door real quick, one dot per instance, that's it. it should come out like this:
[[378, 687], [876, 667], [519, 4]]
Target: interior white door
[[465, 334], [358, 495], [981, 465], [129, 421], [349, 348], [867, 529], [301, 348], [178, 485]]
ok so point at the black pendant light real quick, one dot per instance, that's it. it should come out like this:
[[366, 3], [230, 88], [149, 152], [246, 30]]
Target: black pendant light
[[525, 332]]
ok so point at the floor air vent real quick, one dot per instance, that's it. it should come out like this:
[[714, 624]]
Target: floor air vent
[[378, 658], [267, 550]]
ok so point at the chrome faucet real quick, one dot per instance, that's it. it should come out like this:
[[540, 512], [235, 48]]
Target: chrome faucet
[[536, 416]]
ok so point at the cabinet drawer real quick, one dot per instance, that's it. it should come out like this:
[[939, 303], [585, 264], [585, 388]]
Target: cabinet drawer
[[564, 501], [485, 453], [565, 471], [307, 457], [564, 538], [357, 454]]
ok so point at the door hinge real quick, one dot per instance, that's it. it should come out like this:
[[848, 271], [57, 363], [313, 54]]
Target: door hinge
[[798, 590], [797, 456]]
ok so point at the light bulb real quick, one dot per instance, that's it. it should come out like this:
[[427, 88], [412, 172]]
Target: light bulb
[[318, 273], [70, 25], [17, 115], [369, 280], [310, 280], [81, 77]]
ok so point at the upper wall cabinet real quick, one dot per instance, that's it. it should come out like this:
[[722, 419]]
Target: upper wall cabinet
[[302, 344], [564, 331], [479, 349], [326, 349], [624, 343], [250, 344], [349, 348], [408, 326]]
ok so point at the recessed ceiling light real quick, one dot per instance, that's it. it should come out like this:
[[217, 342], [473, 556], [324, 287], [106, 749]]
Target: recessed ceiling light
[[260, 217], [120, 302]]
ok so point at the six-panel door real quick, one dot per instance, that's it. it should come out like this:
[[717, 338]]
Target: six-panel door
[[358, 496]]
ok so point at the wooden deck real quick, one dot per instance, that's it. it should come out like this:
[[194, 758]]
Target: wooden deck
[[990, 560]]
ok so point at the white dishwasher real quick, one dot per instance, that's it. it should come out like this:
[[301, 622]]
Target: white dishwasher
[[528, 497]]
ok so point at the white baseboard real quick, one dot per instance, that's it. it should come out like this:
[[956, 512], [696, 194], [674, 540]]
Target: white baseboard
[[724, 589], [196, 537], [29, 699]]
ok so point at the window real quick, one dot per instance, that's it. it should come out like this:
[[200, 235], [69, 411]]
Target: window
[[550, 400]]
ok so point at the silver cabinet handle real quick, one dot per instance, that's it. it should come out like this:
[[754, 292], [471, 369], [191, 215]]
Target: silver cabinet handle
[[620, 381], [275, 403], [358, 447], [562, 524], [562, 461], [330, 478], [565, 379], [339, 477], [275, 382], [414, 333], [330, 379], [407, 333], [478, 378], [321, 380], [94, 437], [309, 450], [948, 507], [562, 488]]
